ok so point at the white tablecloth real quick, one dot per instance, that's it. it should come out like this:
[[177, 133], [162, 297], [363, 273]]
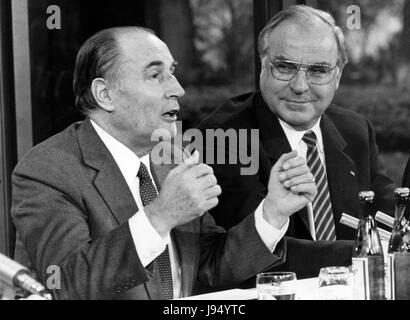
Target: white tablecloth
[[307, 289]]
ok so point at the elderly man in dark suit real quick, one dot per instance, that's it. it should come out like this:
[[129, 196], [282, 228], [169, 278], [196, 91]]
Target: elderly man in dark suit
[[118, 224], [302, 55]]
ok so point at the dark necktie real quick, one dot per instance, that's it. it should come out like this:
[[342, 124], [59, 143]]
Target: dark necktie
[[148, 193], [322, 207]]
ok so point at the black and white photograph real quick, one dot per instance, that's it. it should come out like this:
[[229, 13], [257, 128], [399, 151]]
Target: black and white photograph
[[205, 154]]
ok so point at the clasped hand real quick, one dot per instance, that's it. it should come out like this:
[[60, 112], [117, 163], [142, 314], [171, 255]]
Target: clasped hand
[[187, 193], [291, 187]]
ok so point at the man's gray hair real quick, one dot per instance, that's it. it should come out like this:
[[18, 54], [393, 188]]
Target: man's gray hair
[[302, 14]]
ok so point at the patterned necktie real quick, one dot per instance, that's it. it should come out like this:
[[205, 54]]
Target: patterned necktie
[[322, 207], [148, 194]]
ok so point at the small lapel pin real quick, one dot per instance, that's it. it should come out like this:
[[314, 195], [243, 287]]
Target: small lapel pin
[[352, 173]]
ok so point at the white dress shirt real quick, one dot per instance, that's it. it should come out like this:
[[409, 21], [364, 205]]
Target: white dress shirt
[[148, 243], [296, 143]]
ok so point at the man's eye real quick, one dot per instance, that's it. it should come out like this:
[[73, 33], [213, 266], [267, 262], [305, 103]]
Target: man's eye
[[319, 69], [285, 67], [156, 75]]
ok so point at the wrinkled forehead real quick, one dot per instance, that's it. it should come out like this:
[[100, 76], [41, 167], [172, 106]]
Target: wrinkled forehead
[[311, 44]]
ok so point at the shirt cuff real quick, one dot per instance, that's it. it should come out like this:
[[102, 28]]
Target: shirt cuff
[[148, 243], [268, 233]]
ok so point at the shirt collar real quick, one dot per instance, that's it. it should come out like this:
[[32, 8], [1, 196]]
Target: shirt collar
[[295, 137], [126, 159]]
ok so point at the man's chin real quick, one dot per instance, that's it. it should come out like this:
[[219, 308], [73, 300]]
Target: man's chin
[[298, 107], [299, 122]]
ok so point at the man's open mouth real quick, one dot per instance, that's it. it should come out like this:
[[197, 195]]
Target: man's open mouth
[[171, 115]]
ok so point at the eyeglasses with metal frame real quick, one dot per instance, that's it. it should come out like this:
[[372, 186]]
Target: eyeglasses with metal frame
[[285, 70]]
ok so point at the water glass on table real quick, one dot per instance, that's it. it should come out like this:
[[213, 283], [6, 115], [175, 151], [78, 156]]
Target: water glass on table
[[335, 283], [276, 286]]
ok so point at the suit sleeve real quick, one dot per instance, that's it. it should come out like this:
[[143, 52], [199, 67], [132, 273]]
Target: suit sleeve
[[229, 258], [238, 256], [54, 228], [242, 246], [306, 257]]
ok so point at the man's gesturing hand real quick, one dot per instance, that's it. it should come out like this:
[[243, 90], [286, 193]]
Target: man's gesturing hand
[[291, 187], [187, 193]]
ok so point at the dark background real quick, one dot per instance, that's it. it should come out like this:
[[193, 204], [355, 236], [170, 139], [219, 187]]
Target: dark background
[[214, 42]]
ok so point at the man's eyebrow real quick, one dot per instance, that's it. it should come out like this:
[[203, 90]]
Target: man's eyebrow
[[321, 63], [159, 63], [156, 63]]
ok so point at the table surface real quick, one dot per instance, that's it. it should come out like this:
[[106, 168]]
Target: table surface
[[307, 289]]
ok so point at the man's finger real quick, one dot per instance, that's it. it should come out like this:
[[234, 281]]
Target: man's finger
[[308, 190], [186, 153], [188, 162], [294, 172], [285, 157], [213, 192], [302, 179], [209, 181], [294, 163], [211, 203], [201, 170], [194, 159]]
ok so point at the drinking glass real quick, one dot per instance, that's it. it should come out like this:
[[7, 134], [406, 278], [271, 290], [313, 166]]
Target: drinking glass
[[276, 286], [335, 283]]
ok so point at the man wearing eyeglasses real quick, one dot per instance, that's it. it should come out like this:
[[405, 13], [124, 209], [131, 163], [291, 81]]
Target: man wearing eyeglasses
[[302, 55]]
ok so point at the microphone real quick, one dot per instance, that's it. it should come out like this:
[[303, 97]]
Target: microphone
[[384, 218], [353, 222], [16, 275]]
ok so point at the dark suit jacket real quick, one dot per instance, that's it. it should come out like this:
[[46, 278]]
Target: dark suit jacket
[[71, 205], [351, 163], [406, 175]]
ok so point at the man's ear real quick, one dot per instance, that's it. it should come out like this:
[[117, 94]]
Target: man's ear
[[262, 62], [338, 76], [101, 94]]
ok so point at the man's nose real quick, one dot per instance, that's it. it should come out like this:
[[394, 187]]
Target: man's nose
[[299, 83], [174, 88]]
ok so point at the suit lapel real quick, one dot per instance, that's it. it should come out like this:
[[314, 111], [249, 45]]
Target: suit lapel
[[273, 137], [109, 180], [154, 286], [340, 168]]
